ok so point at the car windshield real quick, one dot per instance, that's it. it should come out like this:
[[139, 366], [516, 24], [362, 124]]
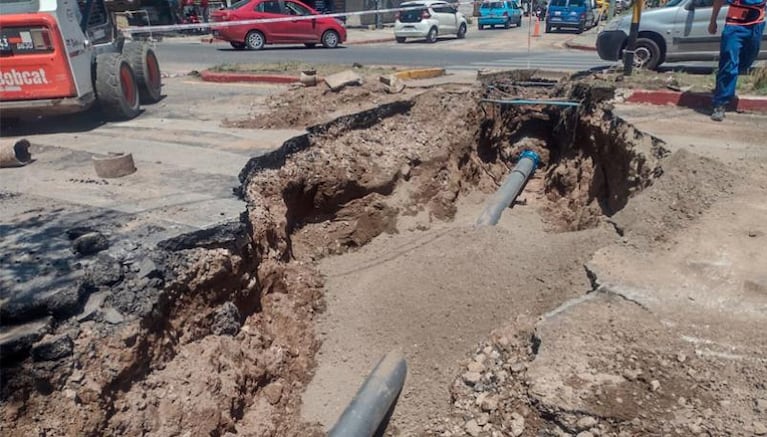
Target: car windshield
[[577, 3], [560, 3], [492, 5]]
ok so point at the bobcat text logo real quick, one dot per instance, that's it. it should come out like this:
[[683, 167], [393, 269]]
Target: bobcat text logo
[[14, 77]]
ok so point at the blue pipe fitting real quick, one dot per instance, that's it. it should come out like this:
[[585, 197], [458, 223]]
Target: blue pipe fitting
[[533, 156]]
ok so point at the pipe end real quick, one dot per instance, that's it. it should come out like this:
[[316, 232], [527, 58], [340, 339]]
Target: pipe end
[[532, 156]]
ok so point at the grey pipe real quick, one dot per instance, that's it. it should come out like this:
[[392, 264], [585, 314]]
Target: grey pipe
[[568, 103], [508, 192], [369, 412]]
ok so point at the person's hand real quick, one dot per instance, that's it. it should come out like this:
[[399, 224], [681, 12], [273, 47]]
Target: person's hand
[[712, 28]]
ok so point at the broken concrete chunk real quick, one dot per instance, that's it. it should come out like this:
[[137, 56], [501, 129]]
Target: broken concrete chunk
[[585, 423], [90, 243], [226, 320], [471, 378], [113, 316], [392, 84], [336, 82], [52, 348]]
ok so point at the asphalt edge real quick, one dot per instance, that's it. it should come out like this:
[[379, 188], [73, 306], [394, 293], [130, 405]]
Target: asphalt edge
[[221, 77]]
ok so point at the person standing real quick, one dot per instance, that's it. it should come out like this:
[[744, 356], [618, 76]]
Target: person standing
[[741, 40], [205, 10]]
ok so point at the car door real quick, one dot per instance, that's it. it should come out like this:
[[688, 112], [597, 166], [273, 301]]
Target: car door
[[303, 30], [274, 32], [445, 14], [691, 28]]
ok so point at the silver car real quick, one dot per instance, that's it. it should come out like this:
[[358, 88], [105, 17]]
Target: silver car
[[676, 32], [429, 19]]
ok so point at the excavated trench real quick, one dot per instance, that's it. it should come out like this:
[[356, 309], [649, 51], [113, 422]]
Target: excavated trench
[[228, 345]]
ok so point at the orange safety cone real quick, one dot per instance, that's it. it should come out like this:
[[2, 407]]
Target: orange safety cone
[[537, 28]]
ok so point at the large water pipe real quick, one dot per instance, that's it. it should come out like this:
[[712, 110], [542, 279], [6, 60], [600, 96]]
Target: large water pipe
[[369, 412], [508, 192]]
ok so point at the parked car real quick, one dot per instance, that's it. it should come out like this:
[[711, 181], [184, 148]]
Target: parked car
[[499, 13], [677, 32], [318, 30], [429, 19], [573, 14]]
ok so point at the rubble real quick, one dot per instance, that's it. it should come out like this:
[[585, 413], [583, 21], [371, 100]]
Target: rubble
[[336, 82]]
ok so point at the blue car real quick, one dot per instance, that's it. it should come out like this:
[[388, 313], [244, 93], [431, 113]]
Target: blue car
[[572, 14], [503, 13]]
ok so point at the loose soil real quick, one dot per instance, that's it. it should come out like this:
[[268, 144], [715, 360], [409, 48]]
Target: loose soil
[[358, 239], [754, 83]]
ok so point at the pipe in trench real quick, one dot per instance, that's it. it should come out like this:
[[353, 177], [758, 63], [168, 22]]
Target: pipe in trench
[[15, 154], [508, 192], [567, 103], [369, 412]]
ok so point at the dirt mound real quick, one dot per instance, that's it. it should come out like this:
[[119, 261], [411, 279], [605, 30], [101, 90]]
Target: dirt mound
[[300, 107]]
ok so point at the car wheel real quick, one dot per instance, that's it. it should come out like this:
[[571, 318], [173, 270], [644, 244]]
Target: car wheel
[[401, 39], [647, 54], [548, 28], [255, 40], [480, 26], [581, 27], [431, 37], [519, 21], [330, 39], [237, 45], [461, 31], [310, 45], [507, 23]]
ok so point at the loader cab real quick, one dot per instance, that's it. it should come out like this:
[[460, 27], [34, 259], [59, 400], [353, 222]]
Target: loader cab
[[64, 56]]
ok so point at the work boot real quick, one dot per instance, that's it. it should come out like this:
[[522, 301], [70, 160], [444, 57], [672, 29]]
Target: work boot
[[718, 114]]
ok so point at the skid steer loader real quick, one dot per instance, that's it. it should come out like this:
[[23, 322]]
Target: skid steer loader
[[65, 56]]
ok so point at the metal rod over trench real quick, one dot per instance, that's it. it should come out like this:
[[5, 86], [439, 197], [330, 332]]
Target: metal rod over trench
[[508, 192], [532, 102], [369, 412]]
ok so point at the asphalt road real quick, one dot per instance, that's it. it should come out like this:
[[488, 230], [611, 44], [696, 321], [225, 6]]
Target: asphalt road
[[178, 56]]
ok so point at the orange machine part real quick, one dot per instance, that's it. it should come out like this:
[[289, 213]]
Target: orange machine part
[[32, 76]]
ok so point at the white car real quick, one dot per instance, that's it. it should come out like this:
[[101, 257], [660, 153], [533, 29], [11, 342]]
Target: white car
[[429, 19]]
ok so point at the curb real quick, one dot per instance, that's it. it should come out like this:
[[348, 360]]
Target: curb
[[211, 76], [575, 46], [369, 41], [695, 100], [421, 73]]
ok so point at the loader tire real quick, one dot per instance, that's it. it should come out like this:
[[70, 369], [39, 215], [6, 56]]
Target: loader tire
[[116, 88], [146, 68]]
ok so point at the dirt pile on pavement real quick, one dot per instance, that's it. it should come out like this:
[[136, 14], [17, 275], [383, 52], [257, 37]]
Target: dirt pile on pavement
[[300, 107]]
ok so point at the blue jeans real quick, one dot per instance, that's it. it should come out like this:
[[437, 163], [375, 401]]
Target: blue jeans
[[739, 49]]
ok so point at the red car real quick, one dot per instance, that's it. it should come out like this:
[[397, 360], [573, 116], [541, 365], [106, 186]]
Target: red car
[[319, 30]]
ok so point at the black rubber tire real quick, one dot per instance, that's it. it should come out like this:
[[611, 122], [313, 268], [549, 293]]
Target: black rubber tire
[[653, 51], [401, 39], [481, 26], [146, 68], [461, 32], [432, 36], [331, 39], [507, 24], [548, 28], [237, 45], [581, 27], [113, 71], [255, 40], [310, 45], [519, 21]]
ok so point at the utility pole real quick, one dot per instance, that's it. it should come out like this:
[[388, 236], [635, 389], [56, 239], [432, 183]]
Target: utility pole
[[379, 21], [628, 53]]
